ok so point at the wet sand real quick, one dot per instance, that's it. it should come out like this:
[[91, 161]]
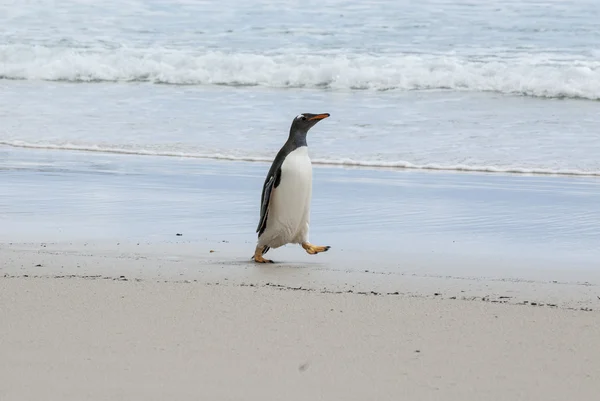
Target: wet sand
[[443, 219]]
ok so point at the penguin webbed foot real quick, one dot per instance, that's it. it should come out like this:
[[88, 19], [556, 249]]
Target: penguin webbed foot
[[314, 249], [258, 255]]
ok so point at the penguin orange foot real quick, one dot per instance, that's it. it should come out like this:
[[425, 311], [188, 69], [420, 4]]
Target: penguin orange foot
[[258, 255], [314, 249]]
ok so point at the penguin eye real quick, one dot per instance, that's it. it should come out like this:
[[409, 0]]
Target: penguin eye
[[303, 118]]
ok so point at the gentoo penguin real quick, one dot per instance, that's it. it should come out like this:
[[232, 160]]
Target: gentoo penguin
[[286, 194]]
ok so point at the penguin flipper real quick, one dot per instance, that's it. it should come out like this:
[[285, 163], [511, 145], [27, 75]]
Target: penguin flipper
[[270, 183]]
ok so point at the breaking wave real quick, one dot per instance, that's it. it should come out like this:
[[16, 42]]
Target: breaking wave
[[535, 75]]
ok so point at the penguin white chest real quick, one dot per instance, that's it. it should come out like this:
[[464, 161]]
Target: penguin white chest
[[290, 209]]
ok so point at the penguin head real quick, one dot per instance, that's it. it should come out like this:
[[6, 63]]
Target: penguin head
[[305, 121]]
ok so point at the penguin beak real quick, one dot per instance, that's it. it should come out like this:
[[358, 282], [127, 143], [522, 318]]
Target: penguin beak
[[319, 117]]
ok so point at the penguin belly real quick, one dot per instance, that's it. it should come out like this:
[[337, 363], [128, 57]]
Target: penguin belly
[[289, 207]]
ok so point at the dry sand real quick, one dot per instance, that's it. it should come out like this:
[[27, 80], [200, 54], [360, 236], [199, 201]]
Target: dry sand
[[150, 337]]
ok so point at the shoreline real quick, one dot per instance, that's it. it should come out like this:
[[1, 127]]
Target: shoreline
[[319, 163]]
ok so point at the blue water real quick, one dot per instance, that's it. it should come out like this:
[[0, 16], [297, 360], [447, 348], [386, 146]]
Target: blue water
[[497, 86]]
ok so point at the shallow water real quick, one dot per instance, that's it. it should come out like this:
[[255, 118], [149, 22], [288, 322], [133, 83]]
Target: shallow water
[[432, 130]]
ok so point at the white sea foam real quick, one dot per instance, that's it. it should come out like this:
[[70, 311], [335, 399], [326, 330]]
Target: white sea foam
[[539, 75], [327, 162]]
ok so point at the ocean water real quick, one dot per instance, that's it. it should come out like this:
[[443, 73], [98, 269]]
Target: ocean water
[[496, 86]]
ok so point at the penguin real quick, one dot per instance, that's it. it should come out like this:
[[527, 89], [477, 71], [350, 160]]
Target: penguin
[[286, 194]]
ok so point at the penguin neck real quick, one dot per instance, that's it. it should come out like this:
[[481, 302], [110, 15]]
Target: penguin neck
[[297, 138]]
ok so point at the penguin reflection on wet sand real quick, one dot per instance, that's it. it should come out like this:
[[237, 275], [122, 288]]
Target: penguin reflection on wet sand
[[286, 194]]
